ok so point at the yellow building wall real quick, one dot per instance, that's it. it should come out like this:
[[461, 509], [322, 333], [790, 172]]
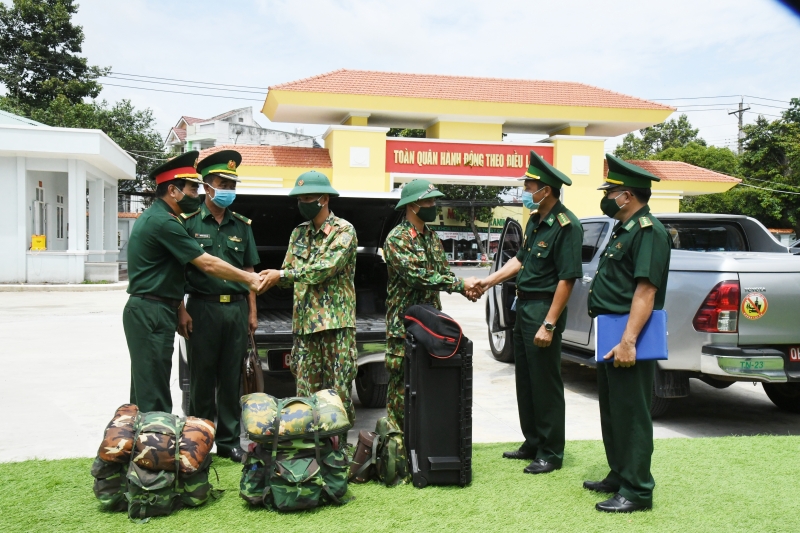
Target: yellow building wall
[[465, 131], [339, 141], [262, 176], [582, 197]]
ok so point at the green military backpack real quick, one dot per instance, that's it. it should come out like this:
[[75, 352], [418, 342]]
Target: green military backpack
[[156, 479], [291, 474], [392, 461]]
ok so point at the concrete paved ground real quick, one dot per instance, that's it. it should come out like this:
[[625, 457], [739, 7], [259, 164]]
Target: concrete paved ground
[[64, 369]]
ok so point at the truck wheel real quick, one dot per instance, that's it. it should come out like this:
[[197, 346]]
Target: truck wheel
[[785, 395], [372, 382], [501, 345], [658, 405]]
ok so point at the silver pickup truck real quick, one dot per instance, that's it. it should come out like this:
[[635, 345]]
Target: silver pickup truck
[[733, 306]]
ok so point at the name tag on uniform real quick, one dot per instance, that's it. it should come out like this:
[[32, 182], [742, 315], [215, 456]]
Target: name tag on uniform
[[234, 238], [201, 236]]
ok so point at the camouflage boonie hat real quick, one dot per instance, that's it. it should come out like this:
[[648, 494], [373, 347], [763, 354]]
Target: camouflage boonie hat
[[417, 190], [312, 182]]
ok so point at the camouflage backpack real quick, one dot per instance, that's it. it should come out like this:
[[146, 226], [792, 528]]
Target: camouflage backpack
[[392, 461], [297, 473], [167, 468]]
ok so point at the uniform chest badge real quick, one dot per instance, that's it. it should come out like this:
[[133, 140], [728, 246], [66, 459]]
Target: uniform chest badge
[[234, 238], [618, 246], [202, 236], [541, 244]]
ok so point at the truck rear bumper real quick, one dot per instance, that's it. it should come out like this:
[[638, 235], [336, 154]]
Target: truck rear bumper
[[747, 364]]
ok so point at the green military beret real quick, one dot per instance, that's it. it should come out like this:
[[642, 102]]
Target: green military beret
[[312, 182], [541, 170], [624, 174], [182, 167], [417, 190], [223, 163]]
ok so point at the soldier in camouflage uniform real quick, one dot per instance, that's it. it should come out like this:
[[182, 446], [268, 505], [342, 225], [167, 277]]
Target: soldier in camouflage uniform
[[321, 263], [418, 270]]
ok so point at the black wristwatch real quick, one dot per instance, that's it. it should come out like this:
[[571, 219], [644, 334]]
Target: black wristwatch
[[548, 326]]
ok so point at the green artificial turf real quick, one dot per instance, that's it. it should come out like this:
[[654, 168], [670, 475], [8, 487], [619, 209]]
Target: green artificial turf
[[721, 484]]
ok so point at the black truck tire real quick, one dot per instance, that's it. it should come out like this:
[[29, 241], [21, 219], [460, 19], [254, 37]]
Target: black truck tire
[[502, 345], [372, 382], [784, 395], [658, 405]]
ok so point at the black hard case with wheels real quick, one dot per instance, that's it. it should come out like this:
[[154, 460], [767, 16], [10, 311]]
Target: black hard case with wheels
[[438, 415]]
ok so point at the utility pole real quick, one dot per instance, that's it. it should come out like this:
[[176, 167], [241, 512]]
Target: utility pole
[[740, 112]]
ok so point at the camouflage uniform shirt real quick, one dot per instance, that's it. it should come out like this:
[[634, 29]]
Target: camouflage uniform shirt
[[321, 263], [418, 271]]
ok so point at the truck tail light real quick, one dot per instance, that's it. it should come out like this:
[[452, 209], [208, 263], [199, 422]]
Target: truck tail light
[[720, 310]]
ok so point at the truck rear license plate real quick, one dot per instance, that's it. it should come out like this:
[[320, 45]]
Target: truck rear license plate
[[279, 359], [794, 354]]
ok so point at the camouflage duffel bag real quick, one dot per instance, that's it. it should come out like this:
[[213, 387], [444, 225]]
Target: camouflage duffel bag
[[118, 437], [297, 416], [156, 434]]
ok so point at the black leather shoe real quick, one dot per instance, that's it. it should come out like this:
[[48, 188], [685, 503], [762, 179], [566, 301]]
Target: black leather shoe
[[519, 454], [600, 486], [540, 466], [234, 454], [618, 504]]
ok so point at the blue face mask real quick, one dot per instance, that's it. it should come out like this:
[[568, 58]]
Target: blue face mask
[[222, 197], [527, 201]]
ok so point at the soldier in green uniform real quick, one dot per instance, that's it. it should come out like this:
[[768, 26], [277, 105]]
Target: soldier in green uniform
[[321, 263], [158, 250], [631, 278], [219, 314], [418, 271], [546, 267]]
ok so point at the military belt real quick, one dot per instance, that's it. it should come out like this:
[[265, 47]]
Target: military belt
[[536, 295], [220, 298], [169, 301]]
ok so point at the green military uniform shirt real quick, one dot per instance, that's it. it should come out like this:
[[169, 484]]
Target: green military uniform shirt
[[551, 250], [158, 249], [638, 248], [322, 265], [418, 271], [232, 241]]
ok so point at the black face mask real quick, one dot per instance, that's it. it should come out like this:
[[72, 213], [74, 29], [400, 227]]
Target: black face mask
[[309, 210], [426, 214], [188, 204], [609, 206]]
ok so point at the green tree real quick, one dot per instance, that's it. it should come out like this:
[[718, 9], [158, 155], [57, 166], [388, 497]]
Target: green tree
[[670, 134], [39, 47], [133, 130], [406, 132]]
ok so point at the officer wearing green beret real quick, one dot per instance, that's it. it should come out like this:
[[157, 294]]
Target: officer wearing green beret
[[631, 278], [159, 248], [546, 267], [219, 314], [418, 271], [321, 264]]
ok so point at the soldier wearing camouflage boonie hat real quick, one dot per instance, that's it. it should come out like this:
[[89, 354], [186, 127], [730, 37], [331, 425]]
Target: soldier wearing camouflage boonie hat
[[418, 271], [320, 265]]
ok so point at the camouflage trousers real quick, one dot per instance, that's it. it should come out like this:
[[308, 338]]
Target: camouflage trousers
[[395, 395], [326, 360]]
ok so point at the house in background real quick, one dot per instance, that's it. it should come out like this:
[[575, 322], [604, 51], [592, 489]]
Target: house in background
[[236, 127], [61, 185]]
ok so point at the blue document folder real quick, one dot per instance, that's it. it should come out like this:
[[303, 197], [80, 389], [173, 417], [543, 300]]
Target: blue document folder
[[651, 344]]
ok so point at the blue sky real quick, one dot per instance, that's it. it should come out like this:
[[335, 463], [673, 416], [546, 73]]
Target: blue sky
[[654, 50]]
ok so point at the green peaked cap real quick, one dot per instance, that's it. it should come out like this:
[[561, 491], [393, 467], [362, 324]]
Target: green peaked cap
[[312, 182], [624, 174], [179, 167], [224, 163], [541, 170], [417, 190]]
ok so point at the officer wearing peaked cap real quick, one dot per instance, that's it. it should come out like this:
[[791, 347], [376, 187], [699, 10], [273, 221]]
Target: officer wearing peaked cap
[[158, 250], [631, 279], [418, 271], [219, 314], [321, 265], [546, 267]]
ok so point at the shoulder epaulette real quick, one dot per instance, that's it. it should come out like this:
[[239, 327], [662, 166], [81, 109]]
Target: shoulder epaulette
[[187, 216], [242, 218], [563, 219], [645, 222]]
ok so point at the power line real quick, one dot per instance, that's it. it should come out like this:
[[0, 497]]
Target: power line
[[183, 92], [181, 85], [191, 81], [765, 189], [696, 97], [768, 99]]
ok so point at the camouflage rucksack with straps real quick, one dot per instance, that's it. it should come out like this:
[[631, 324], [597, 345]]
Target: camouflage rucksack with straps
[[296, 473], [391, 464], [166, 468]]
